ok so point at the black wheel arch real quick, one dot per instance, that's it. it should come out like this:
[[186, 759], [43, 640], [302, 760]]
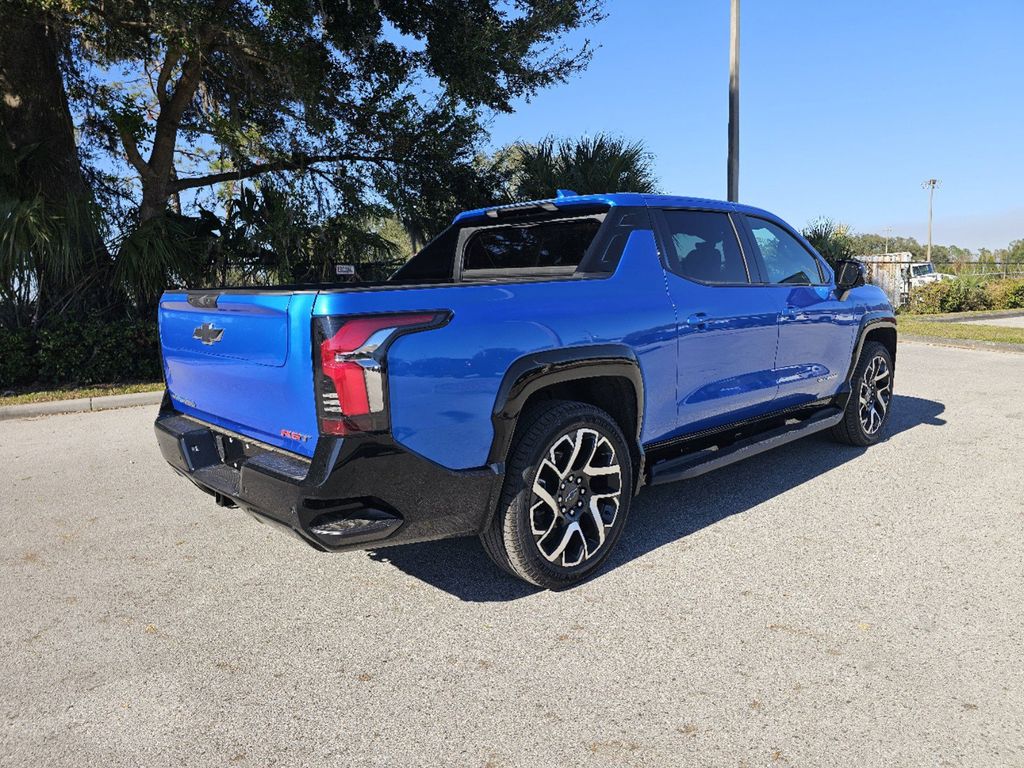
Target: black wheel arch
[[605, 375], [880, 327]]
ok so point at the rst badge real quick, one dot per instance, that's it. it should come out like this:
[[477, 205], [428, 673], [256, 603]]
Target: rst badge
[[207, 334]]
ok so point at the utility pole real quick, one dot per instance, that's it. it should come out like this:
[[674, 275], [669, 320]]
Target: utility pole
[[733, 163], [888, 232], [930, 185]]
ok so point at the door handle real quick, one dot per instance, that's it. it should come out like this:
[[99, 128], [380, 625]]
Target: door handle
[[697, 320]]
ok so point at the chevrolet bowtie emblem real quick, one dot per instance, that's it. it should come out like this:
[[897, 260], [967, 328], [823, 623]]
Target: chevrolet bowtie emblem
[[207, 334]]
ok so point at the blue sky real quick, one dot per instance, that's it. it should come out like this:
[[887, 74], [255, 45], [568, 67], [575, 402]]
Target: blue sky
[[845, 108]]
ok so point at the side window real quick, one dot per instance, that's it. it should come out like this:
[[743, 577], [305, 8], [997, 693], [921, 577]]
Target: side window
[[785, 259], [702, 246], [558, 244]]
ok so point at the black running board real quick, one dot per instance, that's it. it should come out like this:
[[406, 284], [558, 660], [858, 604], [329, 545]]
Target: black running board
[[710, 459]]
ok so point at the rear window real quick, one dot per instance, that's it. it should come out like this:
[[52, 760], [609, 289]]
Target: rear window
[[540, 246]]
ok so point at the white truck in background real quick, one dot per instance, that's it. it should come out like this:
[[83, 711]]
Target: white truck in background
[[898, 274]]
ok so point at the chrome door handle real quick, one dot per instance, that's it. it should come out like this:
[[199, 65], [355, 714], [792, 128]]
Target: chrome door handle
[[697, 320]]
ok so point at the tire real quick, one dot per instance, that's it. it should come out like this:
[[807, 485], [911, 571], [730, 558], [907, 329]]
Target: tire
[[867, 411], [545, 528]]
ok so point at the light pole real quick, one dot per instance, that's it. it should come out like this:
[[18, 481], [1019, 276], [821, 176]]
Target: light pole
[[888, 232], [733, 162], [930, 185]]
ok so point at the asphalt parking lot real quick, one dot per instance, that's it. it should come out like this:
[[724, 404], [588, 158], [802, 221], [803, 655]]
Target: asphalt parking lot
[[820, 605]]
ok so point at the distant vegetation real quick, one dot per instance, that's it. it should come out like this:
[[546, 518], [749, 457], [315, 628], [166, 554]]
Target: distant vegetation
[[835, 240]]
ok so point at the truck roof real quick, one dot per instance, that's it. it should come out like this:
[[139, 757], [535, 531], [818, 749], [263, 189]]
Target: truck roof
[[627, 198]]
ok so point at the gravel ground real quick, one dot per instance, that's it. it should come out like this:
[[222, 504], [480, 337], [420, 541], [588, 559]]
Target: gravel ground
[[820, 605]]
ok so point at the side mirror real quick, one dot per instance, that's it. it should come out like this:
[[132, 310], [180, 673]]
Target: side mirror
[[850, 274]]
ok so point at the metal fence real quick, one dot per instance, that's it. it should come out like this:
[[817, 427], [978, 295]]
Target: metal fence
[[900, 279], [990, 270]]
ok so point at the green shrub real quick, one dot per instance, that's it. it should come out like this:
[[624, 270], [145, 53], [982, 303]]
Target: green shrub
[[1006, 294], [17, 357], [960, 295], [80, 352], [93, 351]]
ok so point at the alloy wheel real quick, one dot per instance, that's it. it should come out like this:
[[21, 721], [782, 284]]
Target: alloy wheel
[[875, 394], [576, 497]]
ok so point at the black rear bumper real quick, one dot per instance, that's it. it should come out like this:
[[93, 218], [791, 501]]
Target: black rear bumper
[[356, 492]]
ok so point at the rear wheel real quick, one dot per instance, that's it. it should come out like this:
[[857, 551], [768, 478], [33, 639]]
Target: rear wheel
[[568, 484], [870, 403]]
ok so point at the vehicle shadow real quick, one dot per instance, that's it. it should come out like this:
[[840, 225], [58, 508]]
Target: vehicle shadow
[[460, 566]]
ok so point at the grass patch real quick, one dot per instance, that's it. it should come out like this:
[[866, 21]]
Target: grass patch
[[915, 327], [69, 393]]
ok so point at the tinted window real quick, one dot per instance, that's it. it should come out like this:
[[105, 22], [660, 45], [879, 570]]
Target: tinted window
[[703, 246], [435, 262], [606, 251], [786, 260], [530, 246]]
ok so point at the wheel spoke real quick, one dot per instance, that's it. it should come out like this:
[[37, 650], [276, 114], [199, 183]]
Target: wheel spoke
[[543, 494], [542, 531], [594, 439], [595, 507], [599, 525], [610, 469], [570, 531], [553, 455]]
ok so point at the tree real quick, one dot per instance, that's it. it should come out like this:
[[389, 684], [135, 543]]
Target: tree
[[428, 195], [1015, 252], [35, 120], [452, 176], [49, 230], [361, 99], [257, 88], [830, 239], [587, 165]]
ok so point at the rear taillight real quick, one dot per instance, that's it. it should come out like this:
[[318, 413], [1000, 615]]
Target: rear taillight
[[351, 375]]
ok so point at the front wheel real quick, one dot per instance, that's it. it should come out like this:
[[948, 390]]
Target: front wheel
[[870, 403], [568, 484]]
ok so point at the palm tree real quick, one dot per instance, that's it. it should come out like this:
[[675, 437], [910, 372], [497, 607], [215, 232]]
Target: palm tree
[[831, 239], [602, 163]]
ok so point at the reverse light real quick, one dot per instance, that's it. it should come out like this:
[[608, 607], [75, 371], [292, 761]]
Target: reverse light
[[351, 376]]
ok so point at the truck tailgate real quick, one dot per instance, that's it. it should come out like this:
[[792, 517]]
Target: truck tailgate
[[243, 361]]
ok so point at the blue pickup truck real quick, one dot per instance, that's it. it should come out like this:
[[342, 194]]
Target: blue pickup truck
[[523, 376]]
